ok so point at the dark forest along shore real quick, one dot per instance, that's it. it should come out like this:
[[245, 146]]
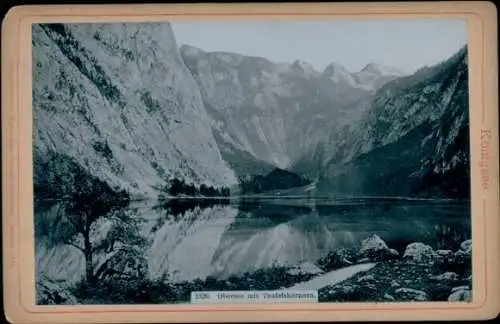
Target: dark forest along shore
[[419, 249]]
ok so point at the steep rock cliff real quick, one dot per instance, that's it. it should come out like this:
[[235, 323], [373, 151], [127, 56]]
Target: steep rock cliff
[[117, 102]]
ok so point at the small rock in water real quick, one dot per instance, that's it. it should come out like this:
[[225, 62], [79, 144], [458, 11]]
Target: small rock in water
[[446, 276], [411, 294], [419, 253], [388, 297], [460, 295], [407, 281], [393, 252], [460, 288]]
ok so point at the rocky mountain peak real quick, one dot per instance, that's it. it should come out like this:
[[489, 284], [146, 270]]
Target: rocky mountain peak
[[305, 67], [381, 69], [332, 68]]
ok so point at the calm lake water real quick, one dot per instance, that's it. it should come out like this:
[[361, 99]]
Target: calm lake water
[[193, 239]]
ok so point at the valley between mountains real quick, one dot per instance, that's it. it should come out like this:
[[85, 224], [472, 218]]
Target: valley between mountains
[[124, 105]]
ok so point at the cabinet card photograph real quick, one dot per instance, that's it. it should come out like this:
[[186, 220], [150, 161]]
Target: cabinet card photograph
[[192, 162]]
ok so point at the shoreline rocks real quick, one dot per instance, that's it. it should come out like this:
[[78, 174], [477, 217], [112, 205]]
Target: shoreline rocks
[[419, 274]]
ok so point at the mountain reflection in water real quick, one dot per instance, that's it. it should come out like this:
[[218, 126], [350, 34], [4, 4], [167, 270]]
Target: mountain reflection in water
[[195, 238]]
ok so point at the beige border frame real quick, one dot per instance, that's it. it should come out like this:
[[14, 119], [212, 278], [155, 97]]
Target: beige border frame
[[18, 239]]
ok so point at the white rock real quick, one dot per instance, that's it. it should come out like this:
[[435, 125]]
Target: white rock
[[373, 243], [460, 295], [420, 253]]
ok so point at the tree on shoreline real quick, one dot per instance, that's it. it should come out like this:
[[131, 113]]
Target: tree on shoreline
[[85, 213]]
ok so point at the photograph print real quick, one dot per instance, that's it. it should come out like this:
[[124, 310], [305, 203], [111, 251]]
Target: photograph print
[[178, 161]]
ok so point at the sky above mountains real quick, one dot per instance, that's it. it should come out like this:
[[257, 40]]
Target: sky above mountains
[[405, 44]]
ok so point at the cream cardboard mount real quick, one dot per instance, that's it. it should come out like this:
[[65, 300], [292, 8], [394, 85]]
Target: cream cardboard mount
[[250, 162]]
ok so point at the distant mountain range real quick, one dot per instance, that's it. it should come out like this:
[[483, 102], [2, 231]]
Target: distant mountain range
[[124, 104]]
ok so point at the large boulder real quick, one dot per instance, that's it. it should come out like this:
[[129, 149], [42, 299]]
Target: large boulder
[[419, 253], [375, 249]]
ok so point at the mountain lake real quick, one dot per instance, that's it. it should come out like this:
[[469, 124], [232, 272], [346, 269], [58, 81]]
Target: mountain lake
[[191, 239]]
